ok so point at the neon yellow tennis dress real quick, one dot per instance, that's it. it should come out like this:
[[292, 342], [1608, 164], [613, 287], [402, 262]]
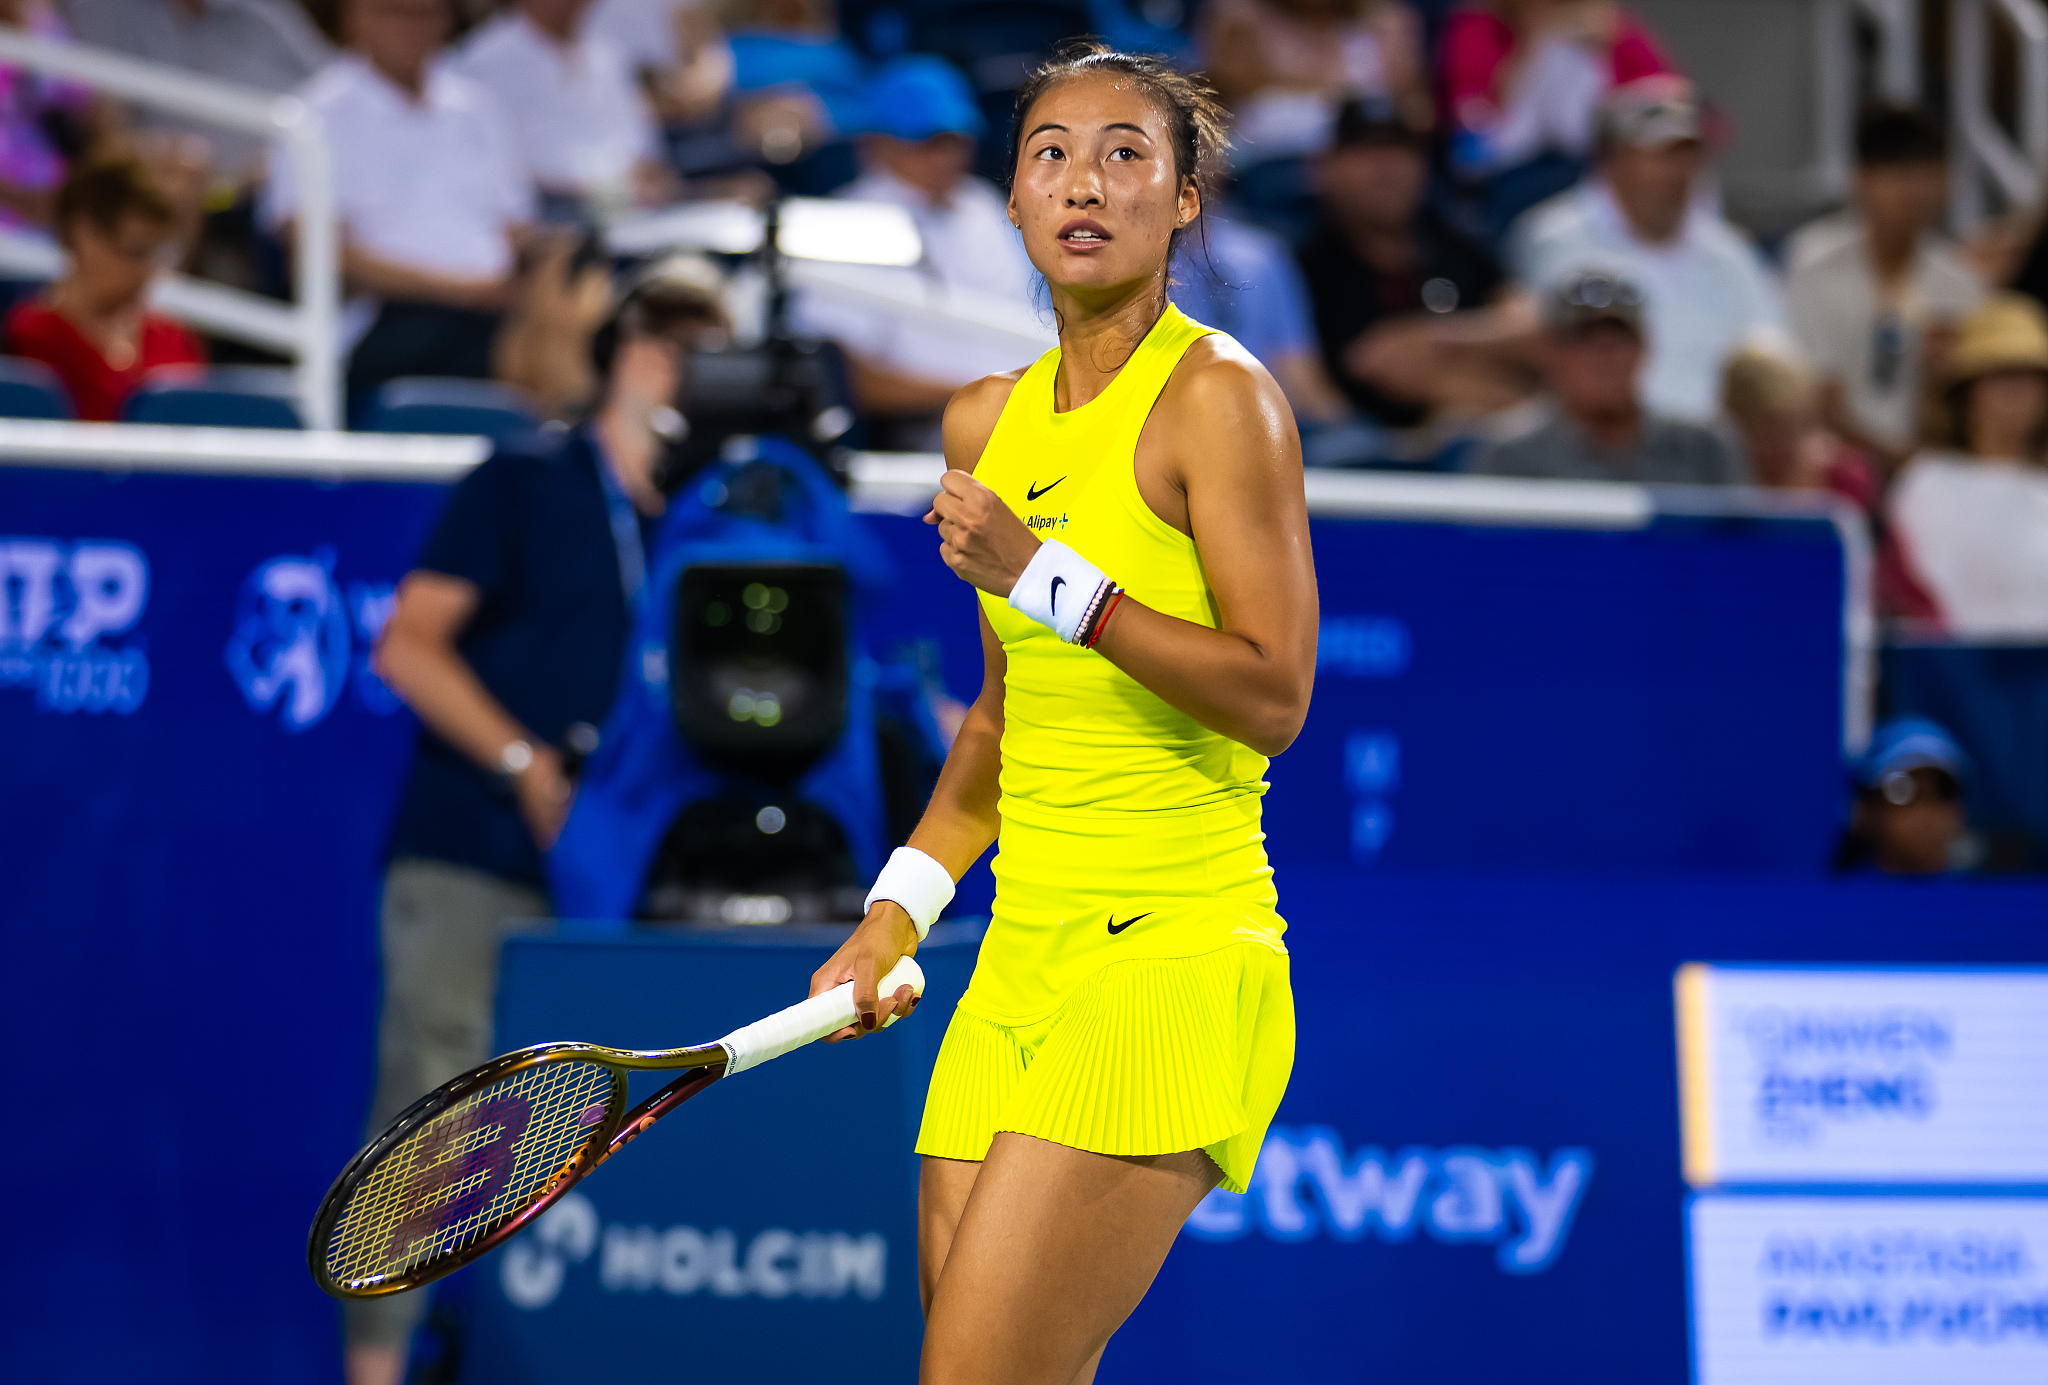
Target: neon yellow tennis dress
[[1132, 995]]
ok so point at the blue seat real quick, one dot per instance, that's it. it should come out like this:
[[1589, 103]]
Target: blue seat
[[30, 389], [430, 404], [234, 396]]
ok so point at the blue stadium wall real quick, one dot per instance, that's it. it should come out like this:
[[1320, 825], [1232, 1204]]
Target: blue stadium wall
[[1545, 766]]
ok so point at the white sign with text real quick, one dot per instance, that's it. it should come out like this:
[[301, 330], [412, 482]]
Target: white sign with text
[[1869, 1290], [1823, 1076]]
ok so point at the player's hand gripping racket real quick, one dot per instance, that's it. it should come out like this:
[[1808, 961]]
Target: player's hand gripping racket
[[470, 1163]]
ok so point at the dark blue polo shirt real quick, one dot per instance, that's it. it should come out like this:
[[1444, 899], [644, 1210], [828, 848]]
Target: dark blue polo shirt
[[531, 528]]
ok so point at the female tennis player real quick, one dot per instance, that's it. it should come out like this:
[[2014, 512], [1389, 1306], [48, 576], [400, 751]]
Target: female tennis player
[[1130, 508]]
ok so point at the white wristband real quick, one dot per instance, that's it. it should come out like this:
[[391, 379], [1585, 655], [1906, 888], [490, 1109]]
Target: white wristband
[[1057, 589], [917, 882]]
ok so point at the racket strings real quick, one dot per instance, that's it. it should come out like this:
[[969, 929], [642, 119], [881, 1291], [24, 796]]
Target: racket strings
[[467, 1171]]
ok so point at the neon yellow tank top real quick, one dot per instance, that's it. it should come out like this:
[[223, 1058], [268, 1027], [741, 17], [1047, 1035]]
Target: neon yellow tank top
[[1078, 731], [1113, 803]]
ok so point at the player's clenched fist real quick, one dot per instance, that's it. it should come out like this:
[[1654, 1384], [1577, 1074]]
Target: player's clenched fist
[[979, 537]]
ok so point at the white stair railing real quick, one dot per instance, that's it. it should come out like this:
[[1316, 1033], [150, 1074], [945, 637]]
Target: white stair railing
[[306, 330], [1897, 23], [1985, 155]]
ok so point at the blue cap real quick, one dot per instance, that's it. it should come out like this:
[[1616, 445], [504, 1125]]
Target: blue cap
[[1906, 744], [919, 96]]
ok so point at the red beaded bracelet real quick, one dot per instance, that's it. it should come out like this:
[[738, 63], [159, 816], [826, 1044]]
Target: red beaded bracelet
[[1102, 621]]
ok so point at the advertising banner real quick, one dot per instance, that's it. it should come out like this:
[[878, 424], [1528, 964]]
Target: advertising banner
[[1828, 1075], [202, 767], [1474, 1174], [1507, 698], [1801, 1085], [769, 1224], [1869, 1290]]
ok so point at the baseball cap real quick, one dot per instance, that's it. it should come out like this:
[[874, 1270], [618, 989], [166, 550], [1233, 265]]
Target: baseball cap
[[1591, 296], [919, 96], [1651, 112], [1372, 120], [1905, 744]]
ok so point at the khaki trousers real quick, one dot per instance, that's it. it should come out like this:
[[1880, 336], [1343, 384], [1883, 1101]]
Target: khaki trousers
[[442, 925]]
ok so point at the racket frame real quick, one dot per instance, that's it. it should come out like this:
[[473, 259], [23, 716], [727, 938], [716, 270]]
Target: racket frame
[[704, 1064]]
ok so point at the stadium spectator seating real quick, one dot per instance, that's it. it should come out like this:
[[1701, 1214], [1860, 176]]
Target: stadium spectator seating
[[426, 404], [30, 389], [216, 397]]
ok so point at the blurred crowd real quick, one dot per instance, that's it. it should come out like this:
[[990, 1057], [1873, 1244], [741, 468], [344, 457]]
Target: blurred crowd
[[1481, 235]]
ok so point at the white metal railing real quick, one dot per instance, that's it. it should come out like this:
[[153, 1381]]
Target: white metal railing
[[183, 449], [306, 330], [852, 252], [1898, 58], [1897, 23], [1984, 151]]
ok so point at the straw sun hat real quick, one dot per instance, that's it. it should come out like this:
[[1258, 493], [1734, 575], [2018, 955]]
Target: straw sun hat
[[2009, 332]]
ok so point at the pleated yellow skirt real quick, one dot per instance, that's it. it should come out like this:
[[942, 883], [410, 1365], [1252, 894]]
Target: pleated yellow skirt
[[1146, 1056]]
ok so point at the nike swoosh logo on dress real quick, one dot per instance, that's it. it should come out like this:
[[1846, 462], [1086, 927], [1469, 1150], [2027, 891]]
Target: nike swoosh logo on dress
[[1116, 927], [1032, 493]]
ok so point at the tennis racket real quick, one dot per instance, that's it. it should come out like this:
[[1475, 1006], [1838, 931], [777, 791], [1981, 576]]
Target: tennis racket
[[467, 1165]]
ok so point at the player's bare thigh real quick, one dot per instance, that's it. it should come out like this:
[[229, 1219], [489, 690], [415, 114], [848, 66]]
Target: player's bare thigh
[[1037, 1256], [942, 1189]]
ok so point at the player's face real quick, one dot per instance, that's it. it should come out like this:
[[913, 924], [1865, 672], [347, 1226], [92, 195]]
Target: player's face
[[1097, 194]]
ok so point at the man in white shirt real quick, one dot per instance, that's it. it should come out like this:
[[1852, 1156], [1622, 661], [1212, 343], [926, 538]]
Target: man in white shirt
[[577, 111], [1708, 291], [919, 155], [1867, 292], [432, 197]]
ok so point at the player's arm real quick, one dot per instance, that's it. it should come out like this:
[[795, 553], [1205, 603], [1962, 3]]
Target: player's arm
[[418, 658], [961, 820], [1229, 447], [1224, 443]]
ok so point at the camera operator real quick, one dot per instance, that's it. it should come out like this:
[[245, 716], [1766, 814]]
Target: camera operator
[[510, 631]]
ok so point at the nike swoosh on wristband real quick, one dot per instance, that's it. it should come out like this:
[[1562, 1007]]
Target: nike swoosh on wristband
[[1033, 492], [1057, 583], [1116, 927]]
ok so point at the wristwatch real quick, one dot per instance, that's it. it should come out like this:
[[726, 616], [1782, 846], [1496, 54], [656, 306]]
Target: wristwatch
[[515, 759]]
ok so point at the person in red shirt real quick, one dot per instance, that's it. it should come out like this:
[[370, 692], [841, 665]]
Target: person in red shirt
[[1522, 82], [92, 327]]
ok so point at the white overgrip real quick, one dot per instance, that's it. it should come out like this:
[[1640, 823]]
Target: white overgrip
[[807, 1021]]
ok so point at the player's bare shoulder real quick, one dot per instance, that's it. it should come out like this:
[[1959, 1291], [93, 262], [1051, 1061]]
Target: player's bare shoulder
[[1220, 391], [972, 414]]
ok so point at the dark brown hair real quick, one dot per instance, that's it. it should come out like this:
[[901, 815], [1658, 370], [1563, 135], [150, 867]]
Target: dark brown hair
[[108, 190], [1195, 122], [659, 306], [1945, 419], [1887, 136]]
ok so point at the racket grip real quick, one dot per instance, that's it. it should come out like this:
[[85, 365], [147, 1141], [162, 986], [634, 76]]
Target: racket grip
[[807, 1021]]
